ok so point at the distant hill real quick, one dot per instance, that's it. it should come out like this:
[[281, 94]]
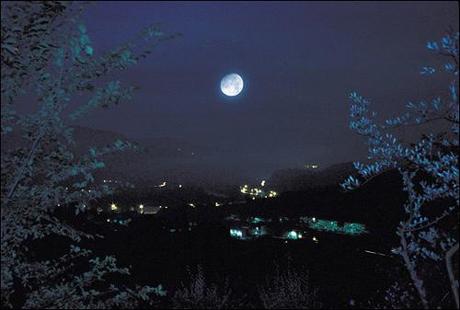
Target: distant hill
[[155, 160], [176, 160], [305, 179], [170, 159]]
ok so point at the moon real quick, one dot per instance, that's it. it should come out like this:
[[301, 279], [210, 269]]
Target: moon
[[231, 84]]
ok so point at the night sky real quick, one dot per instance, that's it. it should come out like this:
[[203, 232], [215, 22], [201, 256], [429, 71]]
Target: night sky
[[299, 62]]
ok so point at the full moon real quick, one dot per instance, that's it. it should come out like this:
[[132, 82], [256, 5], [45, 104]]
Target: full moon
[[232, 84]]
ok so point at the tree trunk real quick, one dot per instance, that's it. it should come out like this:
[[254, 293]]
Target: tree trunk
[[418, 283], [453, 282]]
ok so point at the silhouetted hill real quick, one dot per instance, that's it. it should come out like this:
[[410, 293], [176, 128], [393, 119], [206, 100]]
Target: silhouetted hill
[[178, 161], [305, 179], [154, 160], [159, 159]]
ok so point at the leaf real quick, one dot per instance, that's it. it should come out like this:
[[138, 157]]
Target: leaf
[[89, 50]]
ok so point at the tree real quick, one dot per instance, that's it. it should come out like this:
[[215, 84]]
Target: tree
[[200, 294], [46, 53], [429, 169], [288, 289]]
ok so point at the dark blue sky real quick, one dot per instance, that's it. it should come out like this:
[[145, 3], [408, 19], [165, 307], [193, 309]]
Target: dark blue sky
[[299, 61]]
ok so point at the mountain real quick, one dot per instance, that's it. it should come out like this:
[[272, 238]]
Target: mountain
[[155, 160], [176, 160], [305, 179]]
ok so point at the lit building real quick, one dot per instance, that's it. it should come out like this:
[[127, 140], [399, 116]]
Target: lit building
[[333, 226], [293, 235], [232, 217], [246, 232], [113, 207], [256, 220], [162, 184], [236, 233], [148, 210], [257, 192]]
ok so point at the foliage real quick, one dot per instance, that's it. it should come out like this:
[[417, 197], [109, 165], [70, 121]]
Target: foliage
[[397, 296], [288, 289], [46, 54], [201, 295], [429, 169]]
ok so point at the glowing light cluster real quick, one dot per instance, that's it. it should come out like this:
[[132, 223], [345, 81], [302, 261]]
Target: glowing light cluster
[[257, 192], [258, 231], [141, 209], [248, 233], [110, 181], [294, 235], [333, 226], [354, 228], [236, 233], [256, 220], [162, 184]]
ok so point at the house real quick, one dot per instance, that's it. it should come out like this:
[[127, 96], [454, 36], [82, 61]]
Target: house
[[148, 210], [248, 232], [120, 219]]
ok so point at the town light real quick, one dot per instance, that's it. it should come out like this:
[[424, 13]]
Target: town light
[[162, 184], [292, 235], [236, 233]]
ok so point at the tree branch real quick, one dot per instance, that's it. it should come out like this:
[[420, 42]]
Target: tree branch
[[453, 282], [446, 213], [418, 283], [20, 174]]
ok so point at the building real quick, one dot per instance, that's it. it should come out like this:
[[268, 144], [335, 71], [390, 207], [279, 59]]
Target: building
[[247, 232], [120, 219], [148, 210]]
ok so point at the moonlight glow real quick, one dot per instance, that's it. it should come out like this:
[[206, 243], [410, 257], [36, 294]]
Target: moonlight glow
[[232, 84]]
